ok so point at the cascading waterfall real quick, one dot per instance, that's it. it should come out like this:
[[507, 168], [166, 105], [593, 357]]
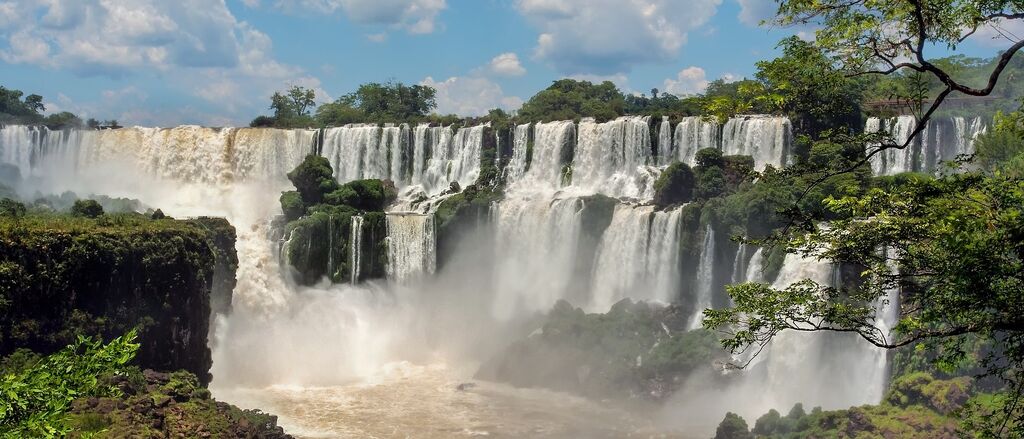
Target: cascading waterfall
[[943, 140], [614, 158], [665, 142], [765, 138], [520, 144], [537, 239], [550, 143], [693, 134], [705, 278], [539, 231], [412, 246], [356, 248]]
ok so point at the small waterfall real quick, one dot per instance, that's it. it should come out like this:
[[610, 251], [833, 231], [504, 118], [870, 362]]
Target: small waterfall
[[663, 261], [692, 134], [520, 144], [665, 142], [755, 268], [739, 266], [705, 278], [894, 161], [765, 138], [614, 158], [356, 249], [550, 141], [412, 246], [464, 165], [434, 146], [622, 258]]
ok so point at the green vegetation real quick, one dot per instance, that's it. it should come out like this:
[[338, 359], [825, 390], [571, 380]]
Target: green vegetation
[[674, 185], [87, 209], [38, 393], [27, 110], [635, 350], [375, 102], [569, 99]]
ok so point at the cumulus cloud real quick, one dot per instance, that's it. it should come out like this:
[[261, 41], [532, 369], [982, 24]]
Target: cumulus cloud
[[688, 81], [198, 45], [753, 11], [470, 95], [414, 16], [507, 64], [610, 36]]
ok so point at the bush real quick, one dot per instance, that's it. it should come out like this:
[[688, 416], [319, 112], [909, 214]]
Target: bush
[[709, 157], [11, 208], [368, 195], [36, 399], [292, 206], [87, 209], [674, 186]]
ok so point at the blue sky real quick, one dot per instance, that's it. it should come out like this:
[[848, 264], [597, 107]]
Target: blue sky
[[215, 62]]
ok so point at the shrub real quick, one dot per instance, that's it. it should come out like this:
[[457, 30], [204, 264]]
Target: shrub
[[11, 208], [674, 186], [87, 209]]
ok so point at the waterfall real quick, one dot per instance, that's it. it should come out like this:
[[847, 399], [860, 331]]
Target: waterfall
[[464, 166], [665, 142], [614, 158], [705, 278], [551, 141], [739, 265], [520, 144], [755, 268], [356, 249], [942, 140], [663, 255], [536, 244], [622, 258], [893, 161], [191, 154], [765, 138], [412, 246], [692, 134]]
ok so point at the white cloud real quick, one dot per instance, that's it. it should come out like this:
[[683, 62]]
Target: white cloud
[[610, 36], [196, 45], [470, 95], [999, 33], [507, 64], [688, 81], [414, 16], [753, 11]]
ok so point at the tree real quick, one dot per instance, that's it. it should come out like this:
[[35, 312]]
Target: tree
[[810, 89], [87, 209], [733, 427], [568, 99], [11, 209], [882, 38]]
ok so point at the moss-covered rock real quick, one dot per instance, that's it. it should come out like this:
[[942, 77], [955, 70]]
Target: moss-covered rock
[[222, 235], [292, 205], [369, 195], [313, 179], [674, 185], [461, 215], [166, 405], [63, 276]]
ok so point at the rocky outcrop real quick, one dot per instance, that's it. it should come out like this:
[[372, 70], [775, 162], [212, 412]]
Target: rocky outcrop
[[61, 277], [636, 350], [166, 405]]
